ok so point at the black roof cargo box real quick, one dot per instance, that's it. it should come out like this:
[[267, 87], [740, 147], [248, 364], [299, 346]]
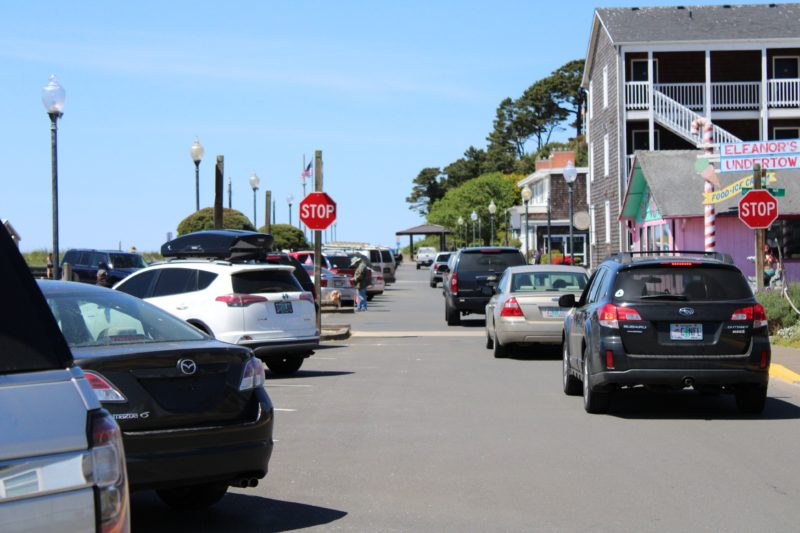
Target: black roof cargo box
[[228, 244]]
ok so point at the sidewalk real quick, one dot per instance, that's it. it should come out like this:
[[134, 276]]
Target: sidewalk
[[785, 363]]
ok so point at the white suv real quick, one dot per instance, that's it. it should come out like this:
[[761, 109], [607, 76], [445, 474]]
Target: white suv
[[261, 306]]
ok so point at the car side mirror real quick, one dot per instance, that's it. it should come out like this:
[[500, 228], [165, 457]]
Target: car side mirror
[[103, 265], [566, 300]]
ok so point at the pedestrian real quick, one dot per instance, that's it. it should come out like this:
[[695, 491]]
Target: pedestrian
[[770, 264], [133, 250], [49, 266], [102, 278], [360, 281]]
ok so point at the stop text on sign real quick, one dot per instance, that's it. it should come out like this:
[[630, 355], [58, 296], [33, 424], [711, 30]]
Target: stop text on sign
[[771, 155], [317, 211]]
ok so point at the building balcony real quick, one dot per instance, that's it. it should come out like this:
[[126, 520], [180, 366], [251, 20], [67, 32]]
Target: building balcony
[[725, 96]]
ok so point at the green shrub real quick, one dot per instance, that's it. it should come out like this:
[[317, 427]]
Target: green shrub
[[779, 313], [287, 237], [204, 219]]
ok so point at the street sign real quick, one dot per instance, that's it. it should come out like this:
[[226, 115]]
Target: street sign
[[777, 193], [758, 209], [317, 211], [771, 155]]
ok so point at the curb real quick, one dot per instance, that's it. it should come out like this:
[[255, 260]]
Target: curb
[[781, 372], [335, 332]]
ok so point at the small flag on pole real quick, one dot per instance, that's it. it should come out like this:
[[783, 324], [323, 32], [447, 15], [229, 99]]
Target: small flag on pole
[[306, 173]]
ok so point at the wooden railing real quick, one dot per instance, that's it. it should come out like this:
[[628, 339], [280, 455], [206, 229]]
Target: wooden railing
[[725, 95], [691, 95], [784, 93], [678, 118]]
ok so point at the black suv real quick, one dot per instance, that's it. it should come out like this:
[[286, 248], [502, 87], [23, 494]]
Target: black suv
[[471, 278], [671, 321], [86, 262]]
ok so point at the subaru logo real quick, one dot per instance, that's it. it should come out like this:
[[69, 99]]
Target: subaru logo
[[285, 296], [187, 366], [686, 311]]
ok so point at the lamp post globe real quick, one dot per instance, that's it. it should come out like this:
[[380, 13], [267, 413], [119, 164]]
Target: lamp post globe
[[196, 152], [474, 217], [53, 97], [460, 223], [570, 175], [526, 196], [254, 183], [492, 211]]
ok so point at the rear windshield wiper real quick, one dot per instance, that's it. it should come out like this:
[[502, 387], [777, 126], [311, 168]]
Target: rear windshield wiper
[[663, 297]]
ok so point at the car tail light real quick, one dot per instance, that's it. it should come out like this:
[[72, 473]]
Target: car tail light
[[307, 296], [609, 359], [680, 263], [764, 359], [323, 282], [105, 468], [611, 315], [105, 391], [755, 313], [379, 278], [240, 300], [511, 308], [253, 375], [454, 283]]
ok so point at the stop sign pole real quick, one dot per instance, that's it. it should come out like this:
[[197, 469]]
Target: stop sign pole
[[318, 241], [760, 234]]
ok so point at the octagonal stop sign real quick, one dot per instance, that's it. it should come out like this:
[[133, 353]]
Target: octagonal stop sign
[[317, 210], [758, 209]]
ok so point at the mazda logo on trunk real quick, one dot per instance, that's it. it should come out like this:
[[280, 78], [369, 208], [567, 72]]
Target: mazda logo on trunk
[[187, 366], [686, 311]]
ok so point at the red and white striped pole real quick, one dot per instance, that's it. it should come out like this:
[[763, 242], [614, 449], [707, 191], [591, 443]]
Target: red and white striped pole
[[709, 213]]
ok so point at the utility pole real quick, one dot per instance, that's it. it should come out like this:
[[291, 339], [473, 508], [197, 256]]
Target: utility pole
[[760, 235], [318, 240], [218, 188]]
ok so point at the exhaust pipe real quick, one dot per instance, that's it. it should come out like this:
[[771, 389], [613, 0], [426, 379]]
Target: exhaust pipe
[[688, 382]]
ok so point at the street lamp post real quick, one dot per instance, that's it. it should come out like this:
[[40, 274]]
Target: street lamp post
[[289, 200], [53, 99], [461, 229], [492, 211], [474, 217], [196, 151], [570, 174], [254, 183], [526, 196]]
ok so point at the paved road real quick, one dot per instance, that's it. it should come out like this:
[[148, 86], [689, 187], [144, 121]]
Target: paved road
[[414, 426]]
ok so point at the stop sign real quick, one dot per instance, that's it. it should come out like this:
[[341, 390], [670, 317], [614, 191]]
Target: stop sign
[[758, 209], [317, 210]]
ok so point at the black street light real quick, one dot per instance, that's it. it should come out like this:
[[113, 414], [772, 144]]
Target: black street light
[[492, 211], [570, 174], [474, 217], [289, 200], [53, 99], [526, 196], [254, 183], [196, 151]]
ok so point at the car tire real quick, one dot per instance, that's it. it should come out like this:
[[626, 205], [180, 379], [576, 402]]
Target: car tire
[[285, 366], [417, 266], [489, 341], [193, 497], [452, 315], [500, 351], [594, 401], [370, 297], [751, 399], [433, 284], [572, 385]]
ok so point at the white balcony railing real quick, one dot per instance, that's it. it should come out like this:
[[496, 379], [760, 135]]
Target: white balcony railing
[[735, 95], [691, 95], [784, 93], [636, 95]]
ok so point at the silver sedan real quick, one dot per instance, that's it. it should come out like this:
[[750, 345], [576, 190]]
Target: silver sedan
[[524, 308]]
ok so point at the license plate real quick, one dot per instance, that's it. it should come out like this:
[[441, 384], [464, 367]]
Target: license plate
[[283, 308], [686, 332], [553, 312], [338, 283]]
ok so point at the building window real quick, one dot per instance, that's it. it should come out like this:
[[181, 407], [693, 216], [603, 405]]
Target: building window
[[539, 193], [605, 155], [639, 70], [640, 140], [784, 237], [593, 231], [608, 221], [785, 67], [785, 133], [605, 86]]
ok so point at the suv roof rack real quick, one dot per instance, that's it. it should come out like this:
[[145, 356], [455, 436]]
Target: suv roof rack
[[629, 257], [228, 245]]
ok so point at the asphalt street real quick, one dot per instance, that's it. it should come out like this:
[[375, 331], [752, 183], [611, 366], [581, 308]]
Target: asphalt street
[[411, 425]]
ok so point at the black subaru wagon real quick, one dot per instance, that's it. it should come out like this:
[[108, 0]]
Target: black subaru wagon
[[682, 320]]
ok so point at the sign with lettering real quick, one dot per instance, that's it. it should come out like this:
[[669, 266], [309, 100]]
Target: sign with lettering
[[771, 155]]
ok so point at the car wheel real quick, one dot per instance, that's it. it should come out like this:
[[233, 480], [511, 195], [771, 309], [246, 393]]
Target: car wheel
[[370, 297], [452, 315], [751, 399], [417, 266], [572, 385], [433, 284], [193, 497], [489, 340], [594, 401], [500, 351], [285, 366]]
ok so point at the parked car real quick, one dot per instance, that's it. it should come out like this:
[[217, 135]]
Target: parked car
[[437, 266], [331, 282], [524, 308], [62, 462], [193, 410], [472, 277], [281, 258], [425, 256], [341, 264], [257, 305], [86, 262], [380, 258], [306, 257], [670, 322]]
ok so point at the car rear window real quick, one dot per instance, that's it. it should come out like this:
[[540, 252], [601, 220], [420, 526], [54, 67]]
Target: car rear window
[[489, 261], [339, 261], [442, 258], [548, 281], [127, 261], [258, 281], [386, 255], [684, 283]]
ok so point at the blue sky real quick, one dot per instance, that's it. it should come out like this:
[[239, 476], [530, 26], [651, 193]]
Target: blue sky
[[384, 89]]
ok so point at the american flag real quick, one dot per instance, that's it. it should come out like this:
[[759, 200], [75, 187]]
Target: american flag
[[306, 173]]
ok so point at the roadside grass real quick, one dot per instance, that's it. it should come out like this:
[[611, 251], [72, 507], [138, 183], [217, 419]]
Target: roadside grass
[[784, 322]]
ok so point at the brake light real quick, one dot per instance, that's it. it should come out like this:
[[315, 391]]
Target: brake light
[[680, 263], [253, 375], [307, 296], [511, 308], [611, 315], [756, 313], [105, 391], [105, 468], [764, 359], [491, 251], [323, 282], [609, 360], [379, 278], [240, 300], [454, 283]]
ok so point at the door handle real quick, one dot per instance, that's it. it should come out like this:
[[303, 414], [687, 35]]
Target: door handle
[[182, 307]]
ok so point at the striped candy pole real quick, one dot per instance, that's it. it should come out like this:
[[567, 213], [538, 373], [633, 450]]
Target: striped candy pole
[[709, 211]]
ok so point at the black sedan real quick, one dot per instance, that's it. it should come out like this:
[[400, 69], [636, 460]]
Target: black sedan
[[194, 412]]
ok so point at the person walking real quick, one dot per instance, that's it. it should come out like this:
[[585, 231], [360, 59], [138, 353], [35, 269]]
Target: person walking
[[102, 278], [360, 281]]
